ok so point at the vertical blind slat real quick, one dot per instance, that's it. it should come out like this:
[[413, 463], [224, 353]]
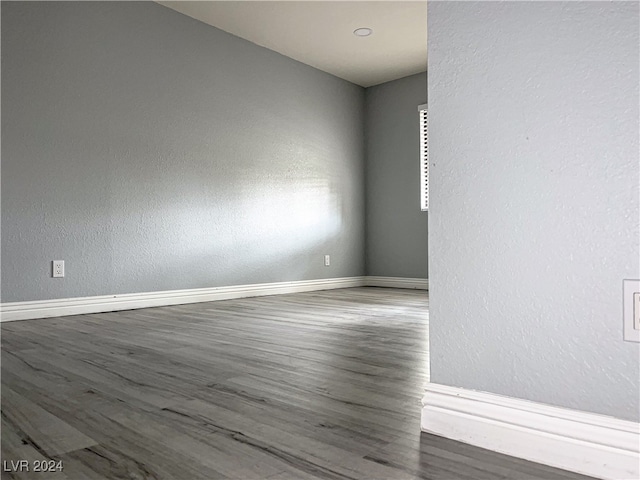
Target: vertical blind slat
[[424, 161]]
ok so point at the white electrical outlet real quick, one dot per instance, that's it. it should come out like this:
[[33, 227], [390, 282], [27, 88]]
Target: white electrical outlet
[[58, 268], [327, 260], [631, 310]]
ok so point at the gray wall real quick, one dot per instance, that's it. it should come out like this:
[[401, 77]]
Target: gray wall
[[533, 116], [396, 228], [153, 152]]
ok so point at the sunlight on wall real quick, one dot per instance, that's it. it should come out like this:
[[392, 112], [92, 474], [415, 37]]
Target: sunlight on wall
[[294, 214], [247, 228]]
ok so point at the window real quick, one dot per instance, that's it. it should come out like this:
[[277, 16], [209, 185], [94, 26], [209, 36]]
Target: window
[[424, 159]]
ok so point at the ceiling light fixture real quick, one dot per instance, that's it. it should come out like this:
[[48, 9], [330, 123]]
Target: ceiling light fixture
[[362, 32]]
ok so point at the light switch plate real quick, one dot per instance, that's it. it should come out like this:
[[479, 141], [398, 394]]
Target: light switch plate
[[636, 310], [630, 305]]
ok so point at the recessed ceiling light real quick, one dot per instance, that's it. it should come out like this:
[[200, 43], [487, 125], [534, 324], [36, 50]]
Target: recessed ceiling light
[[362, 32]]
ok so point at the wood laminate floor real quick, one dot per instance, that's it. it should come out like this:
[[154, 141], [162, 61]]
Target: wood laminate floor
[[302, 386]]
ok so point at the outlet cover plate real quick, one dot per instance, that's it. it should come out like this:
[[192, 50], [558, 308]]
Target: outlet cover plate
[[629, 288], [57, 267]]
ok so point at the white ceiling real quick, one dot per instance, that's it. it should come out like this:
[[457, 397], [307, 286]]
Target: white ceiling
[[320, 33]]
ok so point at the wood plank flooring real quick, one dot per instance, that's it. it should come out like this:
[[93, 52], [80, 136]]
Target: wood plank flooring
[[319, 385]]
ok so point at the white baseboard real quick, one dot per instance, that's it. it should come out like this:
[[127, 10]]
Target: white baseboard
[[129, 301], [586, 443], [111, 303], [397, 282]]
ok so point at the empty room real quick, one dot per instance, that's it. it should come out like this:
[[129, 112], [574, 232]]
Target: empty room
[[320, 240]]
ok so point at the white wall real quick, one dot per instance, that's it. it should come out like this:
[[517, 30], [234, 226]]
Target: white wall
[[534, 218]]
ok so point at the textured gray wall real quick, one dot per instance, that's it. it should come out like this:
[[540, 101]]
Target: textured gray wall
[[533, 116], [153, 152], [396, 228]]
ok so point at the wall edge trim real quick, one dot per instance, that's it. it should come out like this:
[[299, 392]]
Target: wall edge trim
[[397, 282], [30, 310], [110, 303], [582, 442]]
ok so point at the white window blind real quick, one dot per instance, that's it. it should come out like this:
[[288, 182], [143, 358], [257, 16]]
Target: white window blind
[[424, 158]]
